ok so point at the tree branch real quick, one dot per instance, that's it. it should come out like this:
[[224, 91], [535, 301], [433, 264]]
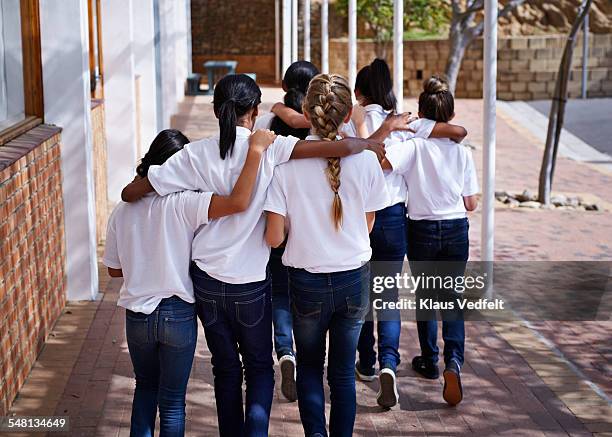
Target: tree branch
[[478, 5], [477, 30], [510, 6]]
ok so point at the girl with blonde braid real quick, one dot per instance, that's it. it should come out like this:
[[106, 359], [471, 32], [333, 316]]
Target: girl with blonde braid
[[328, 206]]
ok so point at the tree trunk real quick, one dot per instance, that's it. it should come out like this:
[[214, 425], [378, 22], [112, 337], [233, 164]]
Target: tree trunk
[[557, 109], [381, 48], [458, 44]]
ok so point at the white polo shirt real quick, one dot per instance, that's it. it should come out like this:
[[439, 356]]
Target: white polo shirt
[[375, 115], [438, 172], [150, 240], [300, 192], [231, 249], [264, 121]]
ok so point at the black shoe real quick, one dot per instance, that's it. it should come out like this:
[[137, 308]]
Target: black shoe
[[366, 375], [453, 392], [425, 368]]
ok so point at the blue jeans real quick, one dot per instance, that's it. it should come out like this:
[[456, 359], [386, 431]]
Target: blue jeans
[[237, 322], [281, 309], [322, 302], [161, 346], [430, 242], [388, 243]]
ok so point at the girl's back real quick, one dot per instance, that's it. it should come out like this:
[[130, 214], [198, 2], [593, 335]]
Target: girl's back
[[150, 240], [438, 173], [231, 249], [300, 191]]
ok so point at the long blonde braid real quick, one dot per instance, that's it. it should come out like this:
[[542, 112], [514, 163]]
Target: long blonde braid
[[328, 102]]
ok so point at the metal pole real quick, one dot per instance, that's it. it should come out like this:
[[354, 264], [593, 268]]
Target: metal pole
[[585, 56], [277, 48], [324, 37], [306, 30], [488, 163], [352, 41], [398, 52], [294, 30], [286, 35]]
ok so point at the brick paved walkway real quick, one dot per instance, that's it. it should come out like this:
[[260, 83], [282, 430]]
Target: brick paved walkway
[[519, 380]]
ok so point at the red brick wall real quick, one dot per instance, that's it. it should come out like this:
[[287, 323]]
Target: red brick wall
[[234, 30], [32, 254]]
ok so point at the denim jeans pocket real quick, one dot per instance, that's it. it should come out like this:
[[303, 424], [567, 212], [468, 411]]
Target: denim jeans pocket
[[303, 309], [179, 329], [137, 328], [356, 306], [207, 310], [251, 312]]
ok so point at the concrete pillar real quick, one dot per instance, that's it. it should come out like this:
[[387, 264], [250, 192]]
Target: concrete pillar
[[352, 42], [286, 23], [294, 30], [173, 56], [119, 94], [64, 51], [325, 37], [144, 67], [306, 4], [398, 52]]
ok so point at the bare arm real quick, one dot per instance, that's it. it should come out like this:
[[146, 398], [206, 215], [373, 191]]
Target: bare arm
[[275, 229], [452, 131], [290, 116], [115, 273], [336, 149], [240, 198], [370, 217], [393, 122], [470, 202], [135, 190]]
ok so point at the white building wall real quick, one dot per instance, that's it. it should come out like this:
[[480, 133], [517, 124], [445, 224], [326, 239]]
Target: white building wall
[[119, 93], [174, 62], [64, 41], [144, 66]]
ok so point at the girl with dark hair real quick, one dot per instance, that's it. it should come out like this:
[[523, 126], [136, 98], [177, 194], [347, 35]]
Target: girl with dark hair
[[443, 187], [295, 84], [148, 243], [374, 92], [230, 255]]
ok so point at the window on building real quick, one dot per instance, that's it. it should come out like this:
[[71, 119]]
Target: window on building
[[21, 104], [12, 107]]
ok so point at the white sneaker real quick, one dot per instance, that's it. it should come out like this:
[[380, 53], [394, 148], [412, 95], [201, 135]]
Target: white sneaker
[[388, 396], [287, 368]]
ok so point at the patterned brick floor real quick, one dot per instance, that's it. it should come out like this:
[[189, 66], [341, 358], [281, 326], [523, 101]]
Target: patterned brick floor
[[546, 378]]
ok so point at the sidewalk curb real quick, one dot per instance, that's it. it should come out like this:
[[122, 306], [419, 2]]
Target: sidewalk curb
[[524, 118]]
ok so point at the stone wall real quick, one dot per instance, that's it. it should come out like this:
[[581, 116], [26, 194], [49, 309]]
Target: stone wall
[[231, 30], [32, 254], [527, 66]]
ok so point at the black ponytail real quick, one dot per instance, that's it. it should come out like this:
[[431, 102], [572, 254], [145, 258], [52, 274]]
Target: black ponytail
[[375, 84], [235, 95], [165, 144]]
